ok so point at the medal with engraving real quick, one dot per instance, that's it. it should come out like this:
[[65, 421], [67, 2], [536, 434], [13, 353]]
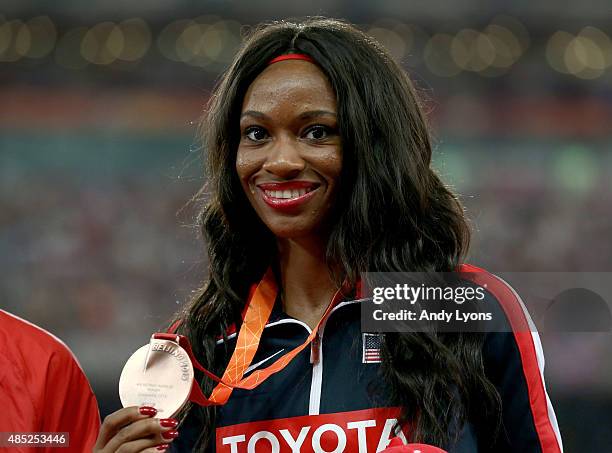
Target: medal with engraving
[[159, 375]]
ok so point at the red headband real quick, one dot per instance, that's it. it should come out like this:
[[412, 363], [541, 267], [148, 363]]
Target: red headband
[[291, 56]]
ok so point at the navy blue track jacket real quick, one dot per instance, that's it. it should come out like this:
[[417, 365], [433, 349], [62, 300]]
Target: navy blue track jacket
[[330, 398]]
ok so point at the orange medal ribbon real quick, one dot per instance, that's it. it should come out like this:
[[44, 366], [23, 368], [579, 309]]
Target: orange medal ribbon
[[258, 311]]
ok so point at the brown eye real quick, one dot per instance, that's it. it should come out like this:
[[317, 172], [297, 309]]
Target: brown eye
[[318, 132], [255, 133]]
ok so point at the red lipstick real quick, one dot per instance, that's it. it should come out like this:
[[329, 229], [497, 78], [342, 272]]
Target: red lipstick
[[287, 195], [288, 185]]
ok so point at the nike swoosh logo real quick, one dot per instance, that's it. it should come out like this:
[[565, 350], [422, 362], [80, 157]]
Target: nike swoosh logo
[[256, 365]]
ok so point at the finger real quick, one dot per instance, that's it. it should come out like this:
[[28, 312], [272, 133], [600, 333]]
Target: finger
[[118, 419], [144, 445], [140, 446], [157, 449], [152, 432]]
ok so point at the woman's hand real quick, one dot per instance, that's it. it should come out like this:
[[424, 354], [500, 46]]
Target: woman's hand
[[134, 430]]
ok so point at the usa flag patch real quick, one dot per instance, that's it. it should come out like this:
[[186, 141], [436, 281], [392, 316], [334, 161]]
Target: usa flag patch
[[371, 347]]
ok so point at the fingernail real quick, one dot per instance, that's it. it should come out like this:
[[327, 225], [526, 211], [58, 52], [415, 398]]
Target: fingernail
[[147, 410], [170, 434], [168, 423], [162, 447]]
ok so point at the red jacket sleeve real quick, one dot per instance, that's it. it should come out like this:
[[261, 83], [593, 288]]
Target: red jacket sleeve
[[43, 388], [70, 405]]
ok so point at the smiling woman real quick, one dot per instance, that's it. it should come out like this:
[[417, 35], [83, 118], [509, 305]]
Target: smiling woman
[[289, 158], [318, 169]]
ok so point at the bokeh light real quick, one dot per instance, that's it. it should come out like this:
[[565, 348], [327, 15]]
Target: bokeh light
[[472, 50], [518, 30], [507, 46], [190, 43], [601, 40], [23, 40], [136, 39], [407, 34], [391, 40], [103, 43], [12, 39], [555, 50], [209, 42], [586, 55], [205, 42], [167, 38], [584, 58], [42, 36]]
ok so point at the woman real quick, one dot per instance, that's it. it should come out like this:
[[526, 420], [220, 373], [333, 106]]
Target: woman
[[318, 170]]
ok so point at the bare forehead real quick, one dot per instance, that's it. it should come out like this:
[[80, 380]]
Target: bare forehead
[[291, 80]]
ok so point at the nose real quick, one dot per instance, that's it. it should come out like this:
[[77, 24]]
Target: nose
[[284, 159]]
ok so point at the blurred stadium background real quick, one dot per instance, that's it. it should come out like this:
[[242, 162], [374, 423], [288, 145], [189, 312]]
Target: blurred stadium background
[[99, 104]]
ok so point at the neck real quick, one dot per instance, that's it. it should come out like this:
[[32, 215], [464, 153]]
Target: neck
[[307, 287]]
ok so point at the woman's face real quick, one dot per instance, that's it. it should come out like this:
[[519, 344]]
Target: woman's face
[[290, 155]]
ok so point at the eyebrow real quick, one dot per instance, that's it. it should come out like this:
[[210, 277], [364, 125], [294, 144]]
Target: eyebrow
[[305, 115]]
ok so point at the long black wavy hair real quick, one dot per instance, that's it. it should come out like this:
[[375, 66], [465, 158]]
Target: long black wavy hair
[[393, 214]]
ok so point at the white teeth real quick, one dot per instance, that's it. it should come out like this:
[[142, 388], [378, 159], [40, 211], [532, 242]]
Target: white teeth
[[287, 194]]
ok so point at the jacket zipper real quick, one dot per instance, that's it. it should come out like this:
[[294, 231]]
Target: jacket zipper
[[316, 358], [315, 353]]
